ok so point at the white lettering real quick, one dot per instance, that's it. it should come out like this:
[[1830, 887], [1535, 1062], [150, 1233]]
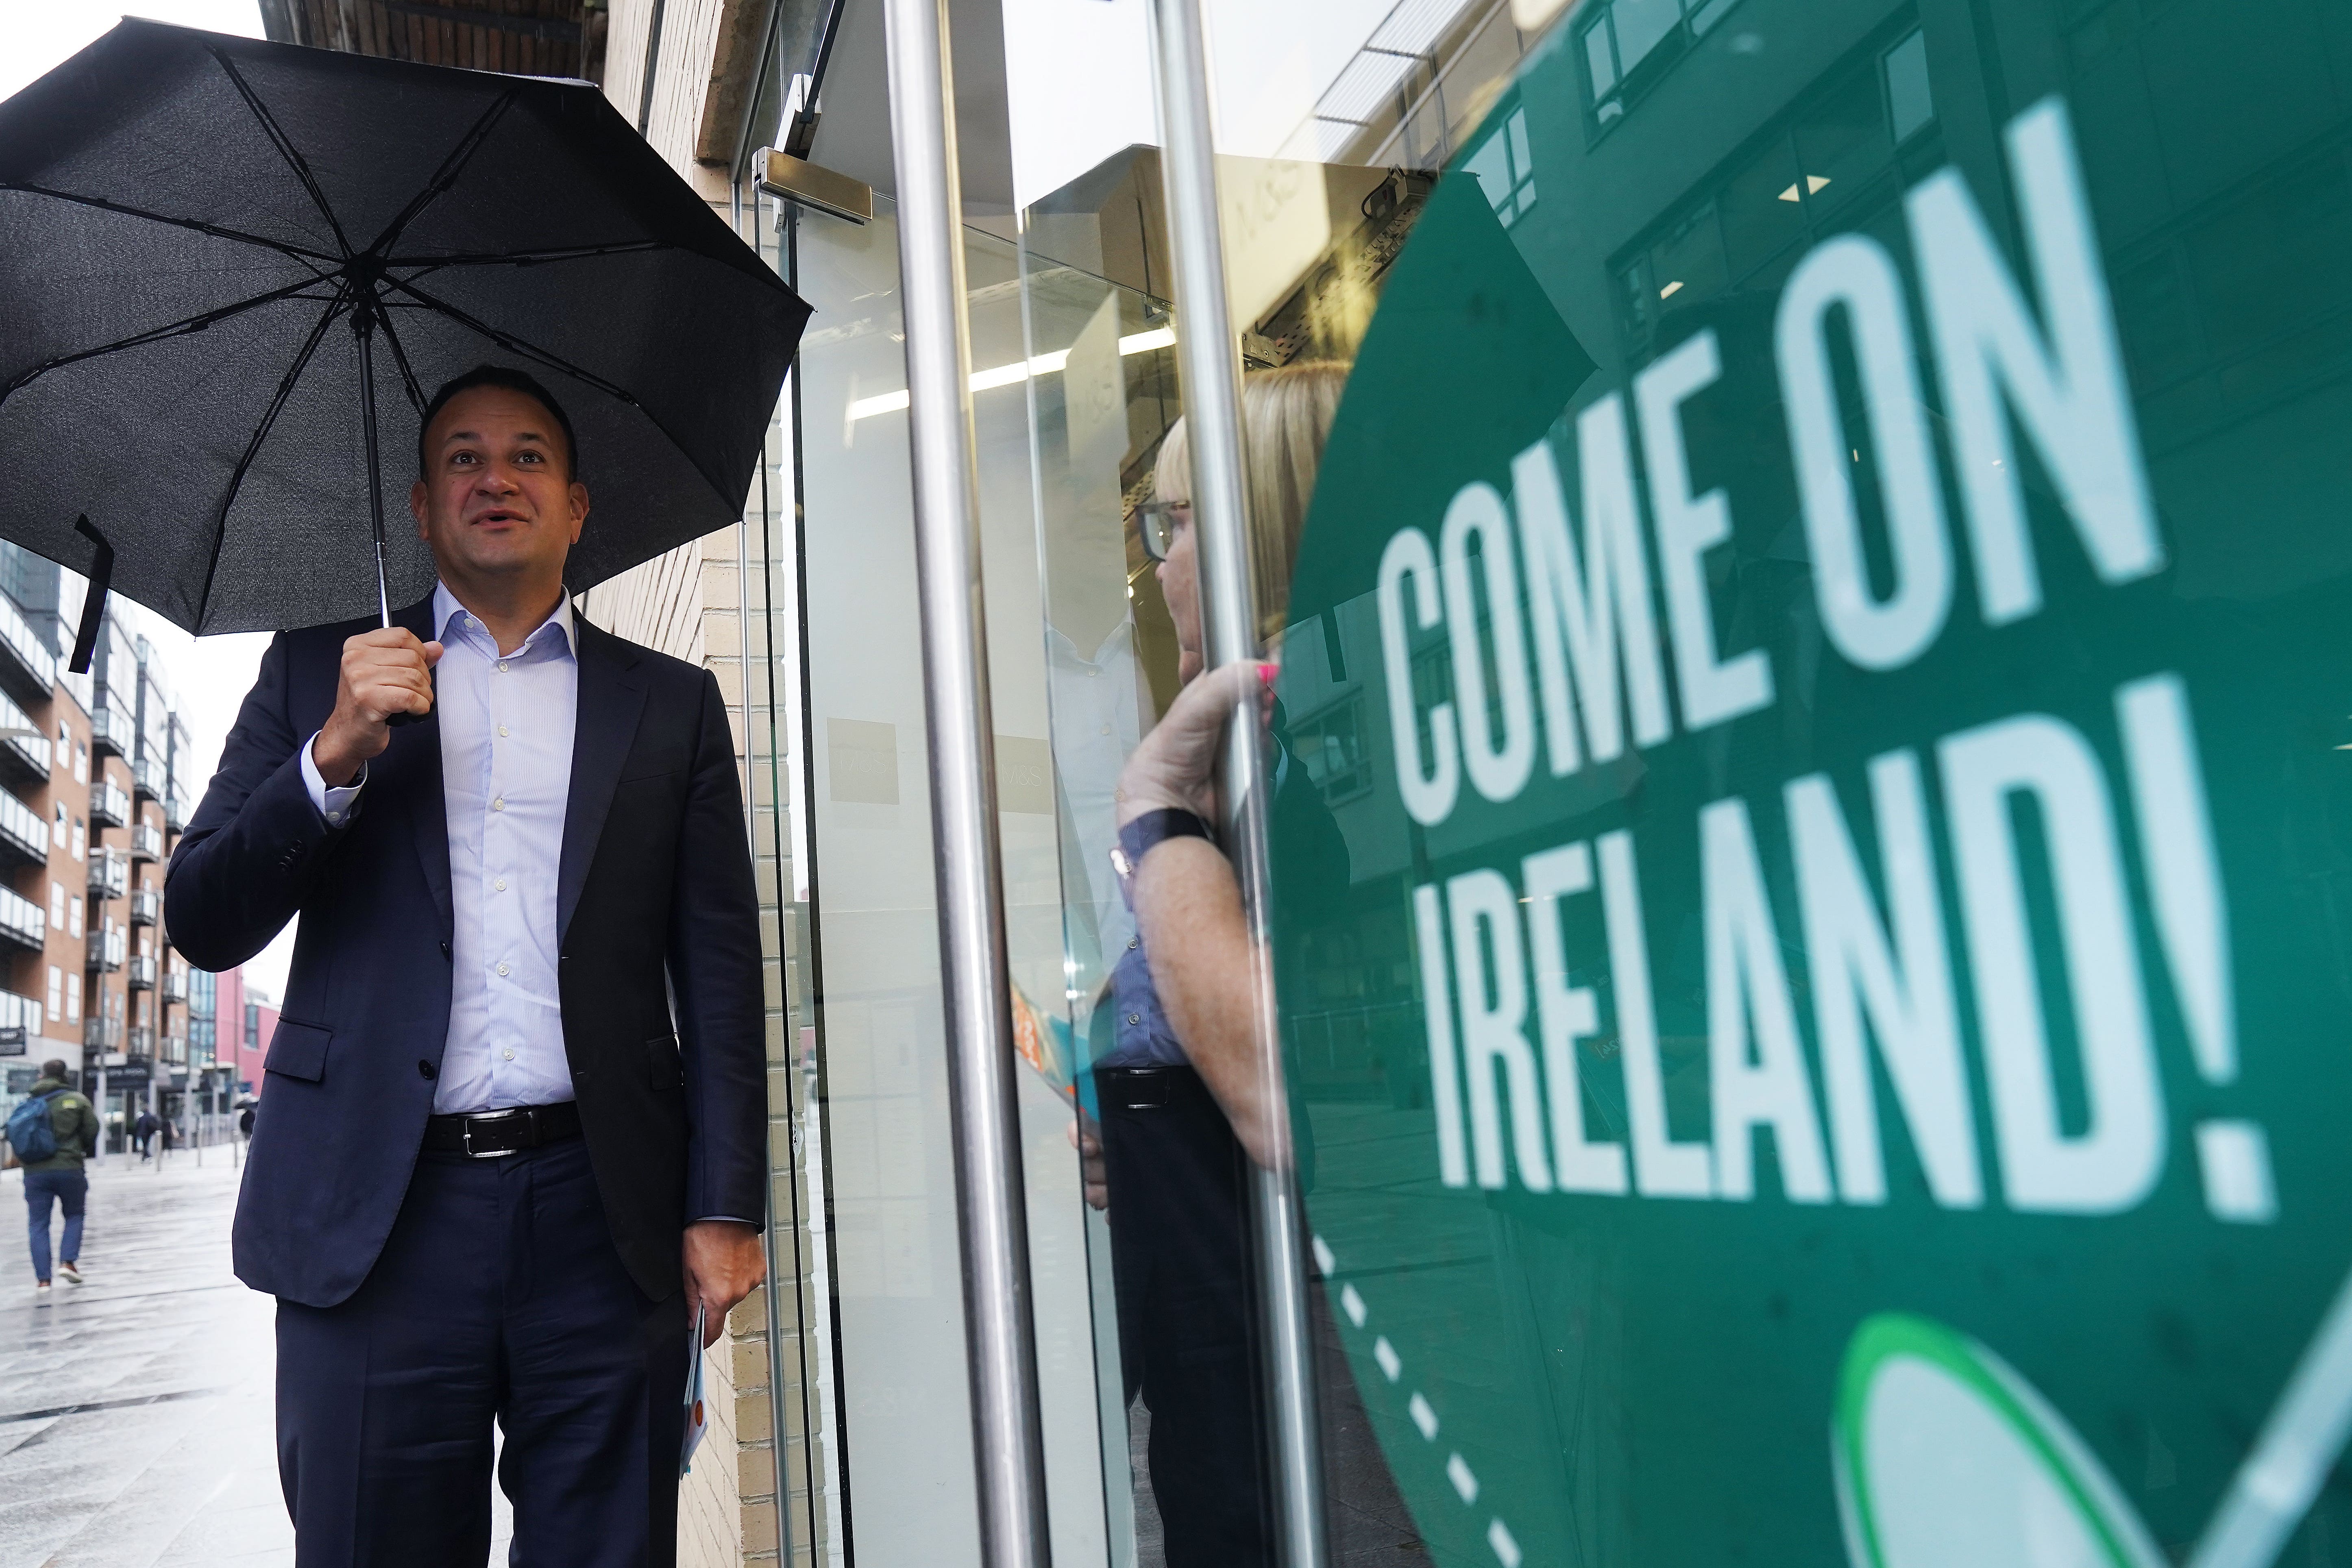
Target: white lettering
[[1437, 1018], [1854, 271], [1768, 1087], [1596, 606], [1499, 768], [1566, 1015], [1662, 1167], [1496, 1032], [1904, 988], [1428, 789], [1689, 527], [2067, 390], [2114, 1162]]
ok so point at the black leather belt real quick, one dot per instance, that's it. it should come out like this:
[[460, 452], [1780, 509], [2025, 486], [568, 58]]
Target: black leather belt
[[1144, 1089], [486, 1134]]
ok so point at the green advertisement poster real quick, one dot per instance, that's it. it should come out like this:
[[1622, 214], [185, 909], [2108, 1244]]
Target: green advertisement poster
[[1825, 631]]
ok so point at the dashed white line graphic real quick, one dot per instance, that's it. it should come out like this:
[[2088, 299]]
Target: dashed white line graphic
[[1499, 1539]]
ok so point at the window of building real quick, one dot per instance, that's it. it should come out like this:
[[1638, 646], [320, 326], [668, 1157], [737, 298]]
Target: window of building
[[81, 762], [57, 905], [73, 998], [253, 1026], [80, 839], [1628, 45], [58, 830], [1910, 106], [73, 916], [1331, 744], [63, 755], [57, 990], [1504, 171]]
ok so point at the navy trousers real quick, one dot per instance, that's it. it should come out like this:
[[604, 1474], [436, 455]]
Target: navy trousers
[[69, 1190], [498, 1297]]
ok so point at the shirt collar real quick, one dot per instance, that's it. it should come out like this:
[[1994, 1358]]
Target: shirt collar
[[445, 608]]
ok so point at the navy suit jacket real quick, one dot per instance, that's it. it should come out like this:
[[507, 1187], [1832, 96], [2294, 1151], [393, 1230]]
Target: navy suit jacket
[[654, 902]]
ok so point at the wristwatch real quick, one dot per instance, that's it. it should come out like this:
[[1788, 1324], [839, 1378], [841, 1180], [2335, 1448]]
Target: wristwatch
[[1136, 839]]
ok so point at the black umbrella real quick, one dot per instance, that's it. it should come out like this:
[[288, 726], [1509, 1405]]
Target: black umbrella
[[232, 272]]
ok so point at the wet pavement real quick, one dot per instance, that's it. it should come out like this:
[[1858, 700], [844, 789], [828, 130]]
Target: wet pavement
[[135, 1410]]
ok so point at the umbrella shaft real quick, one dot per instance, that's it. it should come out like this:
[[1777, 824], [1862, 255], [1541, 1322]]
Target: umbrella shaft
[[363, 327]]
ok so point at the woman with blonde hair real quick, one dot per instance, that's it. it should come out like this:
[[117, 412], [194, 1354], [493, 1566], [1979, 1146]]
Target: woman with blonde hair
[[1186, 1093]]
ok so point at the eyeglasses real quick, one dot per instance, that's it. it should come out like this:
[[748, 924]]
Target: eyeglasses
[[1158, 521]]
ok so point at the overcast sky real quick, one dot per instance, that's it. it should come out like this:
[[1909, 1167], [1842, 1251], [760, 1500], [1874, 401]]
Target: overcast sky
[[208, 676]]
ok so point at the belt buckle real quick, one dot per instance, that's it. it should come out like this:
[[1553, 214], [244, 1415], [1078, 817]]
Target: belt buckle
[[466, 1134]]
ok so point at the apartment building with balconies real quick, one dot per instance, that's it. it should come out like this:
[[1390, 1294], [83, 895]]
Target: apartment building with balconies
[[94, 769]]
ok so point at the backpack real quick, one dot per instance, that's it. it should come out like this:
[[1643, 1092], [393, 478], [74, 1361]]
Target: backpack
[[31, 1131]]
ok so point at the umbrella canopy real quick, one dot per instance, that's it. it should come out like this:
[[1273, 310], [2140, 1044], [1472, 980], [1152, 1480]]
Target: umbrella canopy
[[202, 240]]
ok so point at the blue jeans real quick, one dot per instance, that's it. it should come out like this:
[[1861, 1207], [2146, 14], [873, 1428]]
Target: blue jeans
[[69, 1188]]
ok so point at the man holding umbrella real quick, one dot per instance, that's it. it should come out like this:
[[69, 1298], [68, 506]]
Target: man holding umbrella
[[513, 1139], [512, 1145]]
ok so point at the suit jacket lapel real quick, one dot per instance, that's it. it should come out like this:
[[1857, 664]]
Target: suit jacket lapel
[[611, 698], [416, 750]]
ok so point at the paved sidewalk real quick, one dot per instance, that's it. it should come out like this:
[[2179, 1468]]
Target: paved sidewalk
[[135, 1411]]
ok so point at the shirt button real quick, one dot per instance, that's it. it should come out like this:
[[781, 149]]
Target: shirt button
[[502, 729], [500, 803], [502, 969], [1132, 942], [508, 1053], [1105, 728], [501, 884], [1135, 1017]]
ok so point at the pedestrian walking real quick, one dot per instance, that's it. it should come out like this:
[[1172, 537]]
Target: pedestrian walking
[[497, 1182], [53, 1133], [142, 1133]]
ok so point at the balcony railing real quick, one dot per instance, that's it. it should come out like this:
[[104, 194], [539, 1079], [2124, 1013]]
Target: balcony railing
[[176, 987], [146, 905], [175, 813], [28, 666], [111, 731], [142, 973], [24, 749], [141, 1041], [108, 806], [148, 777], [101, 1034], [24, 925], [105, 950], [146, 841], [110, 873], [23, 836], [20, 1013], [175, 1049]]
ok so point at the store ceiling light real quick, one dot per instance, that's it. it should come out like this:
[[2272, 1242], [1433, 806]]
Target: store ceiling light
[[1014, 373]]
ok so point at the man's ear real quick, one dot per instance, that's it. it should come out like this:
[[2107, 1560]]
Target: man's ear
[[417, 507], [578, 495]]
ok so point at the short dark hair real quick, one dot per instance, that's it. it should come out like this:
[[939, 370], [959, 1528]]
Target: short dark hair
[[513, 381], [54, 1068]]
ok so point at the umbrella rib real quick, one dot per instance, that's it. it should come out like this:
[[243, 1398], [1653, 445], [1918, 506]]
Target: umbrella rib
[[400, 357], [285, 145], [447, 175], [523, 257], [253, 448], [513, 344], [195, 323], [298, 252]]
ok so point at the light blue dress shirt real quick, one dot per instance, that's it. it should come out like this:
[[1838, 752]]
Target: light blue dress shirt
[[507, 724]]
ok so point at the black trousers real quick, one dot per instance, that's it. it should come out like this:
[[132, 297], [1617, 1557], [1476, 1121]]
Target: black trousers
[[498, 1297], [1187, 1333]]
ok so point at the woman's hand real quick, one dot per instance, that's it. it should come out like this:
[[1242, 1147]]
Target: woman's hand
[[1177, 763]]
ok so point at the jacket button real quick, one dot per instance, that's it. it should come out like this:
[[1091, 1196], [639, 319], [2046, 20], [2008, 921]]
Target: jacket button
[[445, 949], [427, 1070]]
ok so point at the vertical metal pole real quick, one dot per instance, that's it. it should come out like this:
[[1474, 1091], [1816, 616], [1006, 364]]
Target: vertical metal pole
[[1209, 360], [1008, 1446], [363, 327]]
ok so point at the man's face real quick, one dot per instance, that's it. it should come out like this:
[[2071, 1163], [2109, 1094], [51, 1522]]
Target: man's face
[[497, 497]]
